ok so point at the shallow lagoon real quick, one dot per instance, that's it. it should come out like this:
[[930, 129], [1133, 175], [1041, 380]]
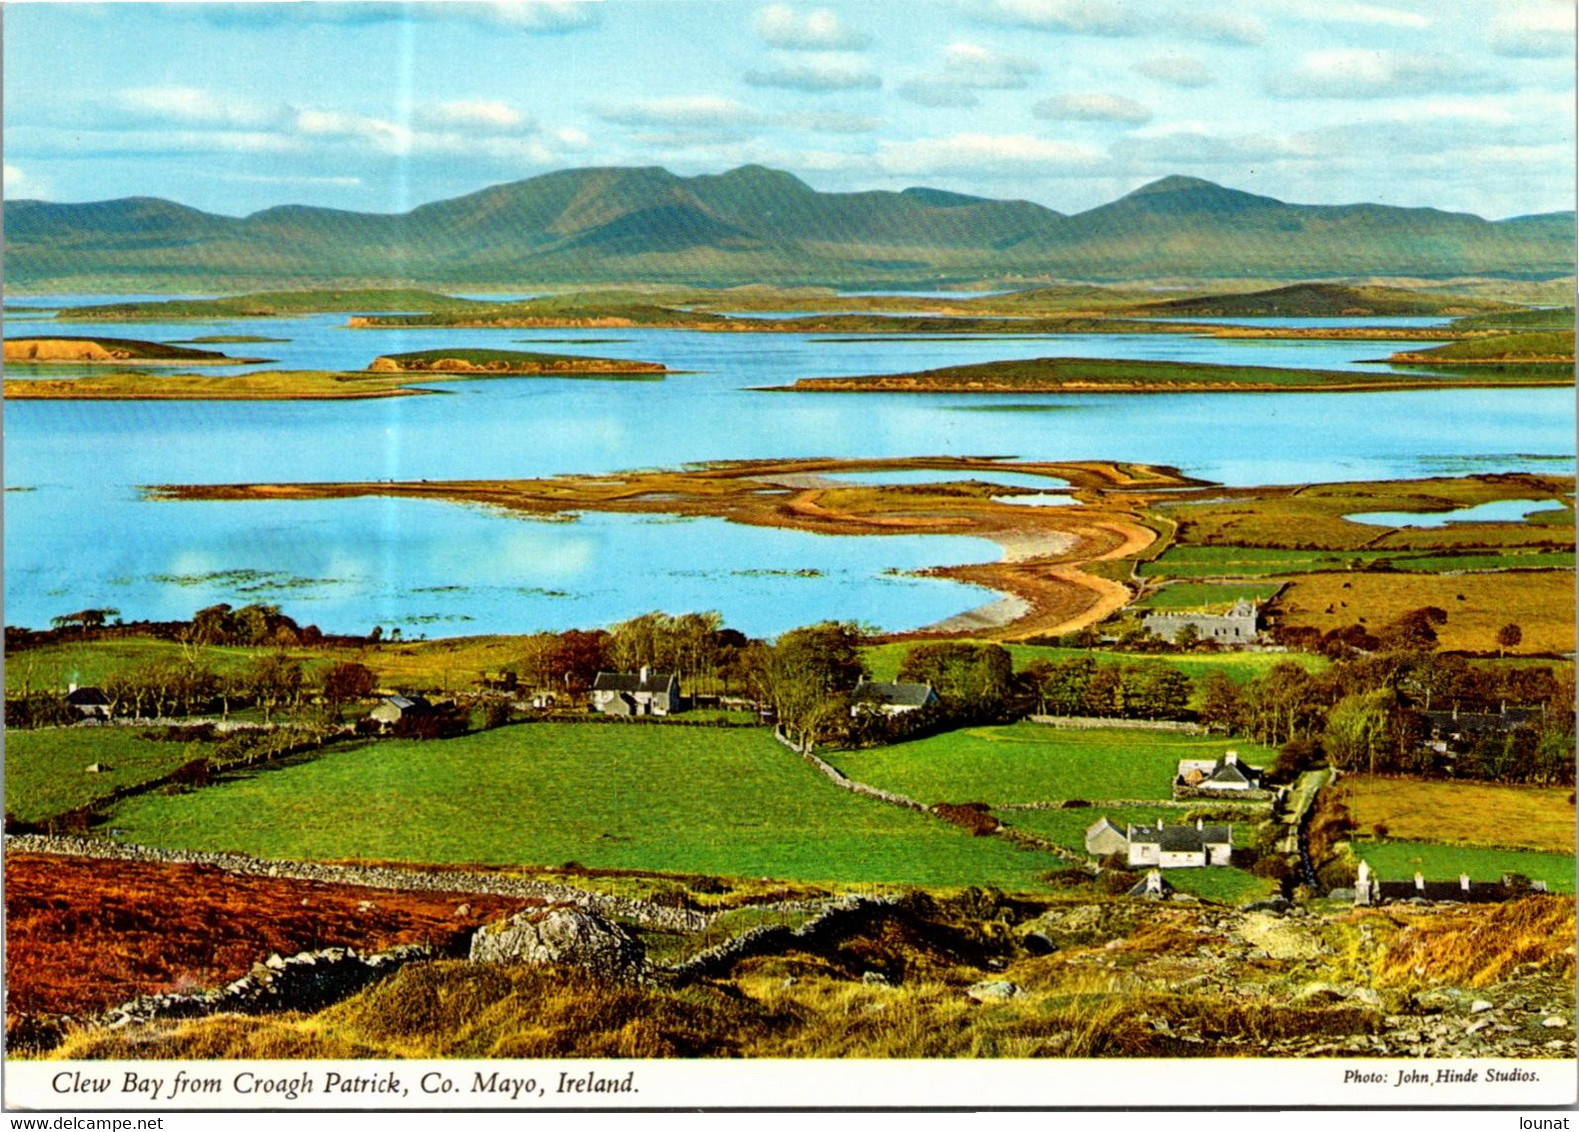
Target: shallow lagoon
[[87, 537]]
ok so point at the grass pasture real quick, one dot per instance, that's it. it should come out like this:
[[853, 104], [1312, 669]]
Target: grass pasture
[[1464, 813], [1400, 860], [1252, 562], [1206, 595], [695, 800], [45, 770], [1539, 602], [884, 660], [1031, 762]]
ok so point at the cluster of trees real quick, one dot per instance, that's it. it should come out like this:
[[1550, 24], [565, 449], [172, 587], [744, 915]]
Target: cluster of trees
[[1082, 686], [180, 686], [707, 656], [251, 625], [1368, 713]]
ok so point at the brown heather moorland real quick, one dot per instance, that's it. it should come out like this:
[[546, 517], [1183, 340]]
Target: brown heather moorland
[[85, 935]]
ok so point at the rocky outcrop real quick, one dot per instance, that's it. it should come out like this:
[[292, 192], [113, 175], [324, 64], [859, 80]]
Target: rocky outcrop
[[838, 920], [565, 936]]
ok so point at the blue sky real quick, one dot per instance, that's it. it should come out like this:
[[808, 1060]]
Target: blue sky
[[1464, 105]]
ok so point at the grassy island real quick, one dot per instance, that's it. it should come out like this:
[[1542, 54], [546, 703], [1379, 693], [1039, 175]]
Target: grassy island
[[75, 351], [508, 363], [1101, 375]]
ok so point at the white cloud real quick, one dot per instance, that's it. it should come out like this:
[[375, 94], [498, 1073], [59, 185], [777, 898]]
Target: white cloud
[[1091, 108], [1543, 32], [1357, 72], [981, 68], [816, 78], [983, 154], [550, 17], [1194, 145], [1239, 29], [19, 184], [571, 138], [1342, 12], [266, 179], [475, 116], [197, 107], [1184, 71], [781, 26], [968, 67], [682, 112], [1082, 17], [381, 136], [832, 122]]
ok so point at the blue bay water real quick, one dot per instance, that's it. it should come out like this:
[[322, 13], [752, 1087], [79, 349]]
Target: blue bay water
[[83, 534]]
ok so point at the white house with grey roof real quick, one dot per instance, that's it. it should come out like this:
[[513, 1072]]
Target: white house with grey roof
[[891, 697], [636, 693], [1226, 774], [392, 709], [1179, 846]]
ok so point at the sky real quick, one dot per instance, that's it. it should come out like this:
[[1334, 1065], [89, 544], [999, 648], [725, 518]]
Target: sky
[[1466, 105]]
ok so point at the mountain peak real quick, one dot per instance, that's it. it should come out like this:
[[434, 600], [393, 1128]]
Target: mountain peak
[[1175, 184], [761, 175]]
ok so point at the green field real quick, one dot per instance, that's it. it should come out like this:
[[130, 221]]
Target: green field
[[1549, 318], [1031, 762], [54, 666], [884, 660], [728, 802], [1540, 344], [1399, 860], [1230, 886], [45, 770], [1196, 595], [1245, 561]]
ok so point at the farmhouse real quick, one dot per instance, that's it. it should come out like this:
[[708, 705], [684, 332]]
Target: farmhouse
[[1449, 728], [1371, 890], [90, 703], [1236, 627], [395, 708], [636, 693], [1225, 774], [891, 698], [1104, 837], [1179, 846]]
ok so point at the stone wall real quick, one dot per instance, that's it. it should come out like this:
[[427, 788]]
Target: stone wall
[[306, 982], [837, 921], [373, 876], [1092, 722]]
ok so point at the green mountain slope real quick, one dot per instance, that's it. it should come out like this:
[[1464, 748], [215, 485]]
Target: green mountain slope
[[760, 225]]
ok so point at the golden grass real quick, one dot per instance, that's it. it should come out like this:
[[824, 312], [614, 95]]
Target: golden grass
[[1539, 602], [1313, 515], [1464, 813], [1477, 946], [266, 385]]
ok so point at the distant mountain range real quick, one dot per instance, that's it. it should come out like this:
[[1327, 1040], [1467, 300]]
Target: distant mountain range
[[761, 225]]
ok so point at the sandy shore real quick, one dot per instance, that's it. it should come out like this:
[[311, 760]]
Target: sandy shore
[[1040, 574]]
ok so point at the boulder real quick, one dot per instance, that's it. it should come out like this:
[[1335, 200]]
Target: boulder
[[993, 989], [568, 936]]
